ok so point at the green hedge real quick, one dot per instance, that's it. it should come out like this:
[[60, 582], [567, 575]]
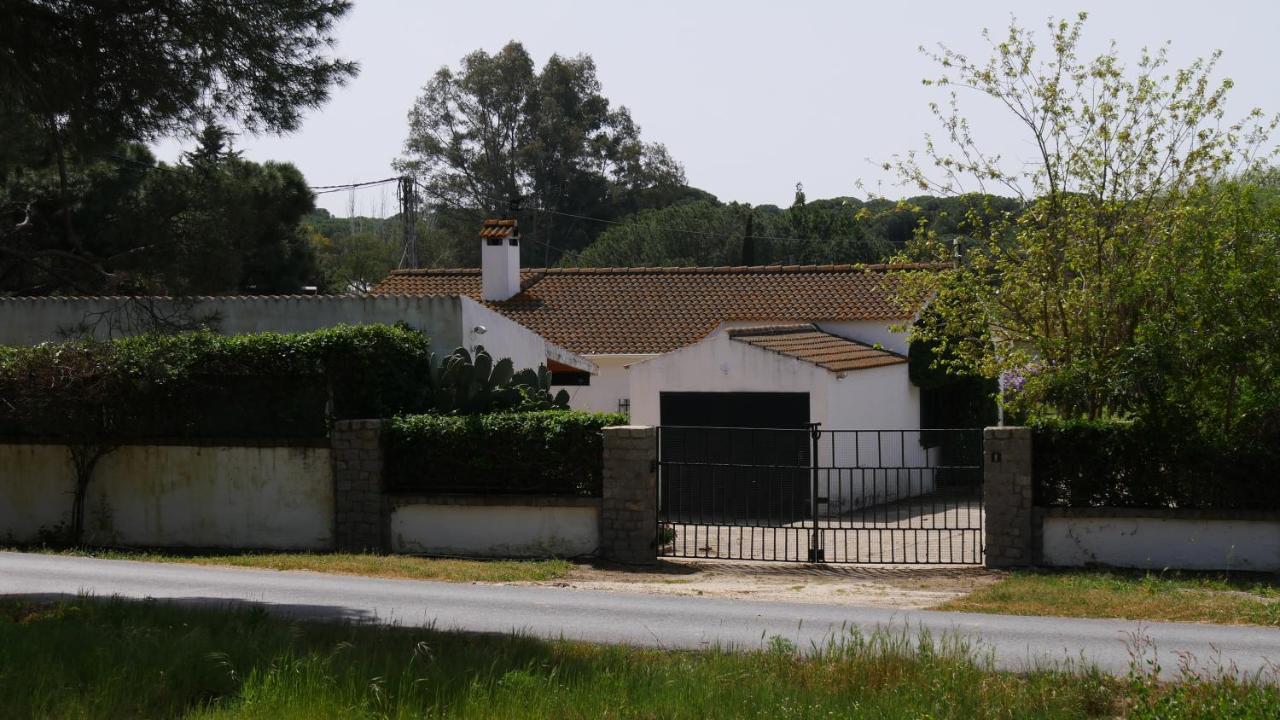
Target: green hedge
[[1124, 464], [267, 385], [535, 453]]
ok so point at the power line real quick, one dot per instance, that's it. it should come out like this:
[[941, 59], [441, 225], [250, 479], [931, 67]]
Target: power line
[[324, 189]]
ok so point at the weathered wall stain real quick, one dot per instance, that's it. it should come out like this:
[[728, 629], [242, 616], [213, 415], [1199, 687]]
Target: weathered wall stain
[[176, 496]]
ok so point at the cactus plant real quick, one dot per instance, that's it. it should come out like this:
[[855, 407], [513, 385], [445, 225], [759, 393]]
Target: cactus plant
[[463, 384]]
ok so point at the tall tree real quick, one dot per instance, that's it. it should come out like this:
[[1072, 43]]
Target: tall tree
[[1134, 208], [79, 80], [212, 223], [234, 224], [496, 128], [699, 233]]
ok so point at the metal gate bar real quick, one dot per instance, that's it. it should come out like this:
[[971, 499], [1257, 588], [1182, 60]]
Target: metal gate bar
[[814, 495]]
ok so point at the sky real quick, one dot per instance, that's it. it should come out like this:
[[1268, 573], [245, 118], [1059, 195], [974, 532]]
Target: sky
[[751, 97]]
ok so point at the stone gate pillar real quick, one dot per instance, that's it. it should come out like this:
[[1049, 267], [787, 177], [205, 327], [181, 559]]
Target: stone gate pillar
[[629, 502], [1007, 496], [359, 525]]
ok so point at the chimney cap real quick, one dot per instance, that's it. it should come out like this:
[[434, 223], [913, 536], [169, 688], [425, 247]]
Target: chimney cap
[[498, 228]]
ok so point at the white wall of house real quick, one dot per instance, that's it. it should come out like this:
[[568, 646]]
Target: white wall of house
[[495, 530], [1158, 543], [28, 321], [877, 398], [503, 337], [883, 402], [871, 332], [610, 385], [175, 496], [871, 399], [613, 381], [721, 364]]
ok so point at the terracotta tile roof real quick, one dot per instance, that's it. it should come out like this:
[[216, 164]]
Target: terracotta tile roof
[[496, 228], [808, 343], [656, 310]]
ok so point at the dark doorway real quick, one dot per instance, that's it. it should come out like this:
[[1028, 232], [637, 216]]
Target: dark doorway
[[735, 409], [735, 456]]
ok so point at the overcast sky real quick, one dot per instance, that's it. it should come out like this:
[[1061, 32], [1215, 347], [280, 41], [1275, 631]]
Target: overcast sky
[[752, 97]]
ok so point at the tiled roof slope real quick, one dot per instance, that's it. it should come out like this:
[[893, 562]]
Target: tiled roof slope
[[656, 310], [808, 343]]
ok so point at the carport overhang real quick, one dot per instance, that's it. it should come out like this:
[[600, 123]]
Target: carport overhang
[[562, 360]]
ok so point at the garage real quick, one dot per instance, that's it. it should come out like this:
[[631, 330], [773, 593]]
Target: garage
[[769, 384], [729, 456], [735, 409]]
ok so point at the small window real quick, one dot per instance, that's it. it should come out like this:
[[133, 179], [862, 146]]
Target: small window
[[570, 377], [493, 241], [624, 407]]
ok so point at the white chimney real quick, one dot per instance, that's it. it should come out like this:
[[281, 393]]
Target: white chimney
[[500, 259]]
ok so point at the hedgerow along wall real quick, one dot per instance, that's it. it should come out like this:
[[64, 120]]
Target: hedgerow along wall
[[174, 477], [1119, 495]]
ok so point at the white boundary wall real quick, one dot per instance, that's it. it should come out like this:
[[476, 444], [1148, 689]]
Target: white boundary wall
[[449, 321], [503, 530], [1159, 543], [175, 496]]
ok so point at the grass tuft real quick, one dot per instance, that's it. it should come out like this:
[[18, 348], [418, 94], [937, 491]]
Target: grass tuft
[[1240, 599], [369, 565]]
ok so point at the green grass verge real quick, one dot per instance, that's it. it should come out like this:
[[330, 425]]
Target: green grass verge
[[390, 566], [1171, 596], [116, 659]]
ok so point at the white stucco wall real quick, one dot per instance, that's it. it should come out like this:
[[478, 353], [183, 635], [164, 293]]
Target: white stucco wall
[[611, 384], [1155, 543], [495, 530], [175, 496], [871, 332], [27, 321], [880, 402], [720, 364], [872, 399], [502, 337]]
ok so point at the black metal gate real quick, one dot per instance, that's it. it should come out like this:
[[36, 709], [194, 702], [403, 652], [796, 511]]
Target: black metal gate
[[814, 495]]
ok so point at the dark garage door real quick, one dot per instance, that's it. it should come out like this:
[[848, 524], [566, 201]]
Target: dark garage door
[[737, 409], [714, 470]]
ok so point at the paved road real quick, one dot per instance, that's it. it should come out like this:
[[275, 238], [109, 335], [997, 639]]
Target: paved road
[[665, 621]]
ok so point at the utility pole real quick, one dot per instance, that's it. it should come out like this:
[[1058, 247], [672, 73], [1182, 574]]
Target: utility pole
[[749, 240], [409, 219]]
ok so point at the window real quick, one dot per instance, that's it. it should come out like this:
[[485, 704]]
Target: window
[[624, 407]]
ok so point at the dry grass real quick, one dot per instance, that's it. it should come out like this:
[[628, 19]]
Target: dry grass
[[386, 566], [1169, 596]]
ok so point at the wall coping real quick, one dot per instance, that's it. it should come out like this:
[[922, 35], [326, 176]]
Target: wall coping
[[1158, 513], [358, 424], [319, 442], [629, 431], [401, 499]]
